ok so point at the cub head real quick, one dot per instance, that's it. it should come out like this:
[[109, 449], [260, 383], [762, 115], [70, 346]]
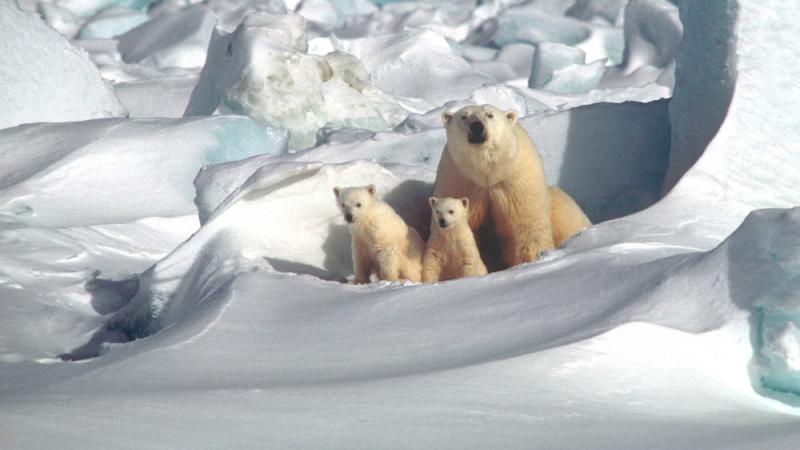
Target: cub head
[[478, 125], [448, 211], [354, 201]]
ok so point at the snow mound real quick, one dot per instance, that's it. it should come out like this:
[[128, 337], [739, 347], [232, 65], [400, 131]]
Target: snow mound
[[117, 170], [164, 96], [262, 70], [563, 69], [170, 40], [28, 87], [281, 218]]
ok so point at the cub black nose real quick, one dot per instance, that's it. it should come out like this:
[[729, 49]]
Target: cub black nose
[[476, 128], [348, 217], [442, 223]]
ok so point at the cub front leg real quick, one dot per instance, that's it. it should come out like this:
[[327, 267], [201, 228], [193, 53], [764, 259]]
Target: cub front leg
[[362, 265], [431, 267], [388, 265]]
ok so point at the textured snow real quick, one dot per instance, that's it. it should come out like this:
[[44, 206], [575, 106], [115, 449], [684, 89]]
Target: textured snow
[[30, 89], [262, 70], [671, 323]]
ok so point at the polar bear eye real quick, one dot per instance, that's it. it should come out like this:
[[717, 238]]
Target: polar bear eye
[[490, 115], [358, 205], [463, 117], [450, 212], [344, 206]]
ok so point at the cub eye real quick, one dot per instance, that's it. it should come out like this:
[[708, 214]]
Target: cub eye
[[358, 205], [450, 212], [344, 206], [463, 117], [490, 115]]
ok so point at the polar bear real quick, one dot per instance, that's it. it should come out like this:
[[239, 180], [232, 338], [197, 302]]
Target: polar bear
[[451, 251], [381, 239], [490, 159]]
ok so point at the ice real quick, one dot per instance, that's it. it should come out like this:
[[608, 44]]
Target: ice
[[31, 90], [175, 40], [550, 57], [672, 326], [653, 32], [396, 62], [112, 22], [116, 170], [263, 70]]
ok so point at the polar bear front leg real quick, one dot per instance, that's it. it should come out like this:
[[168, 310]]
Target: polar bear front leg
[[388, 265], [362, 265], [431, 267], [522, 220]]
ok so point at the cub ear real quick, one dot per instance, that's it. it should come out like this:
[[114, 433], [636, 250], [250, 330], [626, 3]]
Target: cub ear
[[336, 191], [432, 201], [371, 189], [511, 116], [446, 117], [465, 202]]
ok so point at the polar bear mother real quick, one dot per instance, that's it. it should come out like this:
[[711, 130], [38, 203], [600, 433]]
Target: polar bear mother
[[490, 159]]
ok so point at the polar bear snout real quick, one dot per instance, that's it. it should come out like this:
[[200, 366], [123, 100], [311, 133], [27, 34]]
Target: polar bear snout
[[442, 223], [348, 217], [477, 132]]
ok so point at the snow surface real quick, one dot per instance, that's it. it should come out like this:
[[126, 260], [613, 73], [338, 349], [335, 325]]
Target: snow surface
[[180, 282]]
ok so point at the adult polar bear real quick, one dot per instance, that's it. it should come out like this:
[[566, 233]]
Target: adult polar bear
[[490, 159]]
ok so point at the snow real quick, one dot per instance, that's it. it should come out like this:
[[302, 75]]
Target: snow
[[29, 90], [193, 268], [262, 70]]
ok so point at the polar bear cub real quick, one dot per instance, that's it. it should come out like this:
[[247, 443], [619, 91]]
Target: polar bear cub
[[451, 251], [381, 240]]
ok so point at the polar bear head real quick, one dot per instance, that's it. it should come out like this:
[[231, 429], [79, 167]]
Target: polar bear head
[[354, 201], [448, 211], [482, 140]]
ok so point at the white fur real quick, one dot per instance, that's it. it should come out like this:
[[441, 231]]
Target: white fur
[[451, 251]]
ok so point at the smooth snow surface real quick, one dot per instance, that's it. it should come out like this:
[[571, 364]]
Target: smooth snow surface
[[31, 88], [178, 278]]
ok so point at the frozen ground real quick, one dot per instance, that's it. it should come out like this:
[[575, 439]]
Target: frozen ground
[[171, 272]]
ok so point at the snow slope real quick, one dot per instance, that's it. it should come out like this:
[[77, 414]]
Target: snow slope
[[671, 323]]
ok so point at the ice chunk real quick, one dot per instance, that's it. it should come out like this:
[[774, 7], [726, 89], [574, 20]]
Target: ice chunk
[[232, 12], [576, 78], [263, 70], [610, 11], [170, 40], [653, 32], [550, 57], [32, 90], [398, 62], [531, 25], [117, 170], [519, 56], [112, 22], [333, 14]]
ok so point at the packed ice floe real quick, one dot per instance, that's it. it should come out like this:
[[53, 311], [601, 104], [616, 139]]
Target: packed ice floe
[[169, 239]]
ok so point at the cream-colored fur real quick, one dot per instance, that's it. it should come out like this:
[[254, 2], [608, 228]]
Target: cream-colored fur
[[566, 216], [503, 178], [381, 240], [451, 251]]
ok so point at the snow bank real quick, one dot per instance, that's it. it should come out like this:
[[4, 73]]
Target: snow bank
[[263, 70], [31, 89], [163, 96], [281, 218], [116, 170], [112, 22]]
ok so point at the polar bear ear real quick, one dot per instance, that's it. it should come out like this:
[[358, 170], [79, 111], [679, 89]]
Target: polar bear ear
[[336, 191], [371, 189], [432, 201], [511, 116], [446, 117], [465, 202]]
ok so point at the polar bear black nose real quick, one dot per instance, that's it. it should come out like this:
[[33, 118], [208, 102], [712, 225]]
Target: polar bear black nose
[[348, 217], [442, 223], [476, 128]]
